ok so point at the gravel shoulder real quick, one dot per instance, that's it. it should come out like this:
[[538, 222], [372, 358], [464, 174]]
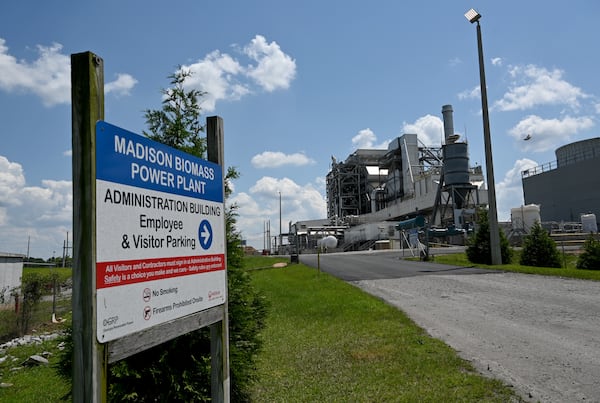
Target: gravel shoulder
[[539, 334]]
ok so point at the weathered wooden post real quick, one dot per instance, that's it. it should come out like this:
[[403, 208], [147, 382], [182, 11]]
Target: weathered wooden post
[[87, 106], [219, 331]]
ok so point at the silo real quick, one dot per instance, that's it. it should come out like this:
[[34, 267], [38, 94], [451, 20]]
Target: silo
[[456, 162], [456, 171]]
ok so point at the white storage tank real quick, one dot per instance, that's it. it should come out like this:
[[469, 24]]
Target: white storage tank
[[589, 223], [329, 242], [524, 217]]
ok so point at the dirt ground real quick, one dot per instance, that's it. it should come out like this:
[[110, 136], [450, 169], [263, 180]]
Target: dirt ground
[[539, 334]]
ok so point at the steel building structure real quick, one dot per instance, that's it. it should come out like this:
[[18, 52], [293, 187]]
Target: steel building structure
[[407, 179]]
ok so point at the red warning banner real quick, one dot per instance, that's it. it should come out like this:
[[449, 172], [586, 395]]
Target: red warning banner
[[124, 272]]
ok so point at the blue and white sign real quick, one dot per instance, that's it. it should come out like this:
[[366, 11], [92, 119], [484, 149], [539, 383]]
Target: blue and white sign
[[160, 233], [130, 159]]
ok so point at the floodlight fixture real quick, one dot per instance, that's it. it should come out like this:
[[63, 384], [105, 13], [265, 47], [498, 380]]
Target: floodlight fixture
[[472, 16]]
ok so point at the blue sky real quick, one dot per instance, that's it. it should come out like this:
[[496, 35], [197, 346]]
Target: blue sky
[[296, 83]]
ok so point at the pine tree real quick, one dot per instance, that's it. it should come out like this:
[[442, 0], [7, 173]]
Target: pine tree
[[590, 258], [539, 249], [478, 247], [177, 124]]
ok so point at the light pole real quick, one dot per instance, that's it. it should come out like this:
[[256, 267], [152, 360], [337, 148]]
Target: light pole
[[280, 236], [473, 17]]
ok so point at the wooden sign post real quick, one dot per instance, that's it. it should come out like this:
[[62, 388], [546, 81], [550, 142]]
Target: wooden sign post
[[87, 105]]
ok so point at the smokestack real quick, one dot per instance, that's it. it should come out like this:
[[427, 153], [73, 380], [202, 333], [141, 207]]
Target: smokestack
[[448, 121]]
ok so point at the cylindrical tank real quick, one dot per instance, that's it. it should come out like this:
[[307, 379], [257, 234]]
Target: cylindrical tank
[[456, 164], [456, 172], [328, 242], [589, 223], [524, 217]]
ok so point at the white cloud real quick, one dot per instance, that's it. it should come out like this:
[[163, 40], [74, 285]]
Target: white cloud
[[429, 129], [11, 180], [547, 134], [475, 92], [275, 69], [42, 214], [455, 61], [48, 77], [509, 192], [220, 75], [223, 77], [497, 61], [533, 86], [366, 139], [261, 204], [216, 75], [122, 85], [274, 159]]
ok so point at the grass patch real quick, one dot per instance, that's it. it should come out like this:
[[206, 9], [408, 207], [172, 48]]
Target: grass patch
[[460, 259], [326, 340], [32, 384], [263, 262]]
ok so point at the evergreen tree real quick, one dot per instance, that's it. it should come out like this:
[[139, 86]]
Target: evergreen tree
[[590, 258], [539, 249], [177, 124], [179, 370], [478, 247]]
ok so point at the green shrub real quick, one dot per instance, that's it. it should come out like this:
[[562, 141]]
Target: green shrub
[[32, 289], [539, 249], [478, 246], [590, 258]]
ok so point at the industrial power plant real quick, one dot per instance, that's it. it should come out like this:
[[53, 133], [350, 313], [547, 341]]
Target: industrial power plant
[[397, 197], [373, 190]]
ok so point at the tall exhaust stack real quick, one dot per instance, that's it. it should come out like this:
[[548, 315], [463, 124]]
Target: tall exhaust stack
[[448, 121]]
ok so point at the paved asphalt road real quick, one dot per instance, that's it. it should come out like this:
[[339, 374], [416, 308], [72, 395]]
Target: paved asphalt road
[[539, 334], [373, 265]]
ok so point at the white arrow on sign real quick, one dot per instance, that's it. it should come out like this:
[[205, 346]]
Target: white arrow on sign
[[205, 234]]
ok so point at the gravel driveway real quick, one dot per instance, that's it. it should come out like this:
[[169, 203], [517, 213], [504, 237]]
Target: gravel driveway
[[538, 334]]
